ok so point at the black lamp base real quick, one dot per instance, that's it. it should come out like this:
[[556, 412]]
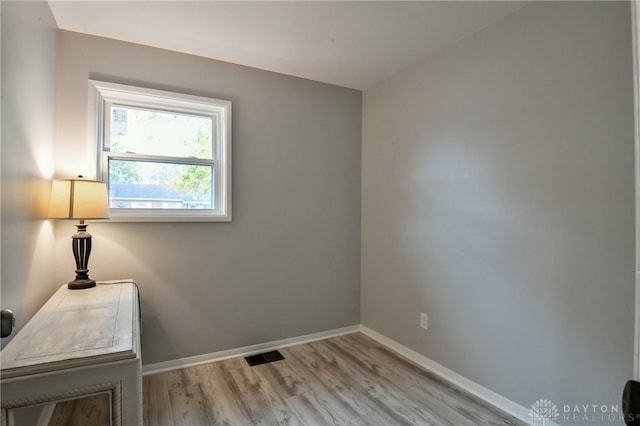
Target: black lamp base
[[81, 244], [81, 284]]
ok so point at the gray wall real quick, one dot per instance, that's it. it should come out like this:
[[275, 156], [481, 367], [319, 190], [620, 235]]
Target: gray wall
[[28, 91], [498, 198], [288, 263]]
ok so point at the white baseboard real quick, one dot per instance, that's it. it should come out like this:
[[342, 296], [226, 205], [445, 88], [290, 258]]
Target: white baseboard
[[504, 404], [178, 364], [46, 414]]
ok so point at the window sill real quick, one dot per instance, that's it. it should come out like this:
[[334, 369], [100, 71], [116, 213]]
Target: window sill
[[149, 216]]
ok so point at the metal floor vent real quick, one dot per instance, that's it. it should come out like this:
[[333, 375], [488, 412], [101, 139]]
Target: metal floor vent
[[264, 358]]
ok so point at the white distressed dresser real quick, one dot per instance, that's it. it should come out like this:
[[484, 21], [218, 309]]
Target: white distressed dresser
[[81, 342]]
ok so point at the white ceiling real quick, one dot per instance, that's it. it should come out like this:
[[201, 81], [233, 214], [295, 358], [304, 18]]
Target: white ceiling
[[348, 43]]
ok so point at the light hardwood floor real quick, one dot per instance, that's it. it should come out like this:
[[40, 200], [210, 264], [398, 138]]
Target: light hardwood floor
[[346, 380]]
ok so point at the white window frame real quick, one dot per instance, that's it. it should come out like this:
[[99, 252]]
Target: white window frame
[[104, 94]]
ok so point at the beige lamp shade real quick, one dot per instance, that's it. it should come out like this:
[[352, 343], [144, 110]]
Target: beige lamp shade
[[78, 199]]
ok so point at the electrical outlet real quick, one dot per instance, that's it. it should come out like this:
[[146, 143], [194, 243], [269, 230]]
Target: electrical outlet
[[424, 320]]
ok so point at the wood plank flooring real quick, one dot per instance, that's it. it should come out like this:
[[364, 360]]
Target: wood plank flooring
[[346, 380]]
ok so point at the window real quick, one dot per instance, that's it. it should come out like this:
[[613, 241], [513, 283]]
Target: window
[[164, 156]]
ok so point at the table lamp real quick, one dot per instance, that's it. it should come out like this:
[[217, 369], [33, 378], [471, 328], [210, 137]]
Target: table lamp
[[79, 199]]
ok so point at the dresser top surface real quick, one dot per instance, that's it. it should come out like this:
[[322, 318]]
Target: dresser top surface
[[76, 328]]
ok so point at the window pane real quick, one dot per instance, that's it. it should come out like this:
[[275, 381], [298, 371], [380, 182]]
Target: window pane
[[153, 132], [148, 185]]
